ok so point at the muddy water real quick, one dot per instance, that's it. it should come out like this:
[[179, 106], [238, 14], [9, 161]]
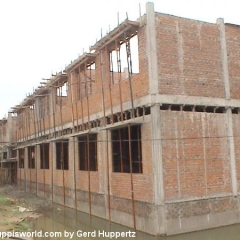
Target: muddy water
[[68, 224]]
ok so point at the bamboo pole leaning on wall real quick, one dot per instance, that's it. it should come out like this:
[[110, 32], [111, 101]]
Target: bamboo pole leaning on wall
[[73, 129]]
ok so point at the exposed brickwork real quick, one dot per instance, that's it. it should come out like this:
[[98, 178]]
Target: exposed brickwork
[[195, 154], [233, 51], [189, 57], [195, 148]]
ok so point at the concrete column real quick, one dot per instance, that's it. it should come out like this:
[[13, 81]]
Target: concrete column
[[158, 186], [225, 76], [9, 128], [224, 58], [152, 49], [51, 108], [231, 151]]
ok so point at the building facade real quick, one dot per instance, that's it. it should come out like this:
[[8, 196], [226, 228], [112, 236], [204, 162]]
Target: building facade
[[150, 140]]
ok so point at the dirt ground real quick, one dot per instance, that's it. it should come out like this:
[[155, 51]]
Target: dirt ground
[[18, 209]]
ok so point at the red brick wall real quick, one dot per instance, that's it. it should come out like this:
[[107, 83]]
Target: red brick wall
[[189, 57], [233, 52], [195, 154], [142, 183]]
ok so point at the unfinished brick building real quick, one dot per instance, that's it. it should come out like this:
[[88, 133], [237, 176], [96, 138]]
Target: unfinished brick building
[[8, 160], [156, 149]]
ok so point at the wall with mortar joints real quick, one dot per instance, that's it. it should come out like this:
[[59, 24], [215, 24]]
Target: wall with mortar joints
[[143, 183], [233, 52], [195, 154], [189, 57]]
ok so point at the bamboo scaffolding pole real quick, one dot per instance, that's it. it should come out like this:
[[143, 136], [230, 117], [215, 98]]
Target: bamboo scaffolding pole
[[30, 167], [131, 172], [34, 123], [119, 67], [20, 171], [25, 168], [129, 63], [44, 167], [110, 85], [53, 110], [53, 96], [44, 118], [103, 95], [36, 168], [120, 143], [108, 180], [62, 150], [28, 125], [139, 150], [25, 174], [81, 98], [88, 150], [25, 127], [77, 98], [89, 178], [51, 167], [37, 121], [74, 159], [2, 141]]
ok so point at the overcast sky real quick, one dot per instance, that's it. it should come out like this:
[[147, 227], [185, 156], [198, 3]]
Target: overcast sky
[[41, 37]]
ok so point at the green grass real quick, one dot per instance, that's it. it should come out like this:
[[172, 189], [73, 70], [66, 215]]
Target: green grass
[[5, 201], [5, 223], [23, 226]]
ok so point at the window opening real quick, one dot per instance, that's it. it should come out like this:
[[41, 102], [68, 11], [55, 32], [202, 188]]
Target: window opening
[[87, 147], [62, 155], [31, 157], [21, 158], [121, 149], [44, 156]]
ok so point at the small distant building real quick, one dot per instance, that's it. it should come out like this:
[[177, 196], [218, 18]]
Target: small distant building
[[8, 156]]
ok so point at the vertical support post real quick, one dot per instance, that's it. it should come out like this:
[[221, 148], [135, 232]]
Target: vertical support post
[[89, 177], [102, 86], [38, 159], [131, 172], [225, 76], [52, 153], [72, 141], [119, 66], [25, 167], [108, 178]]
